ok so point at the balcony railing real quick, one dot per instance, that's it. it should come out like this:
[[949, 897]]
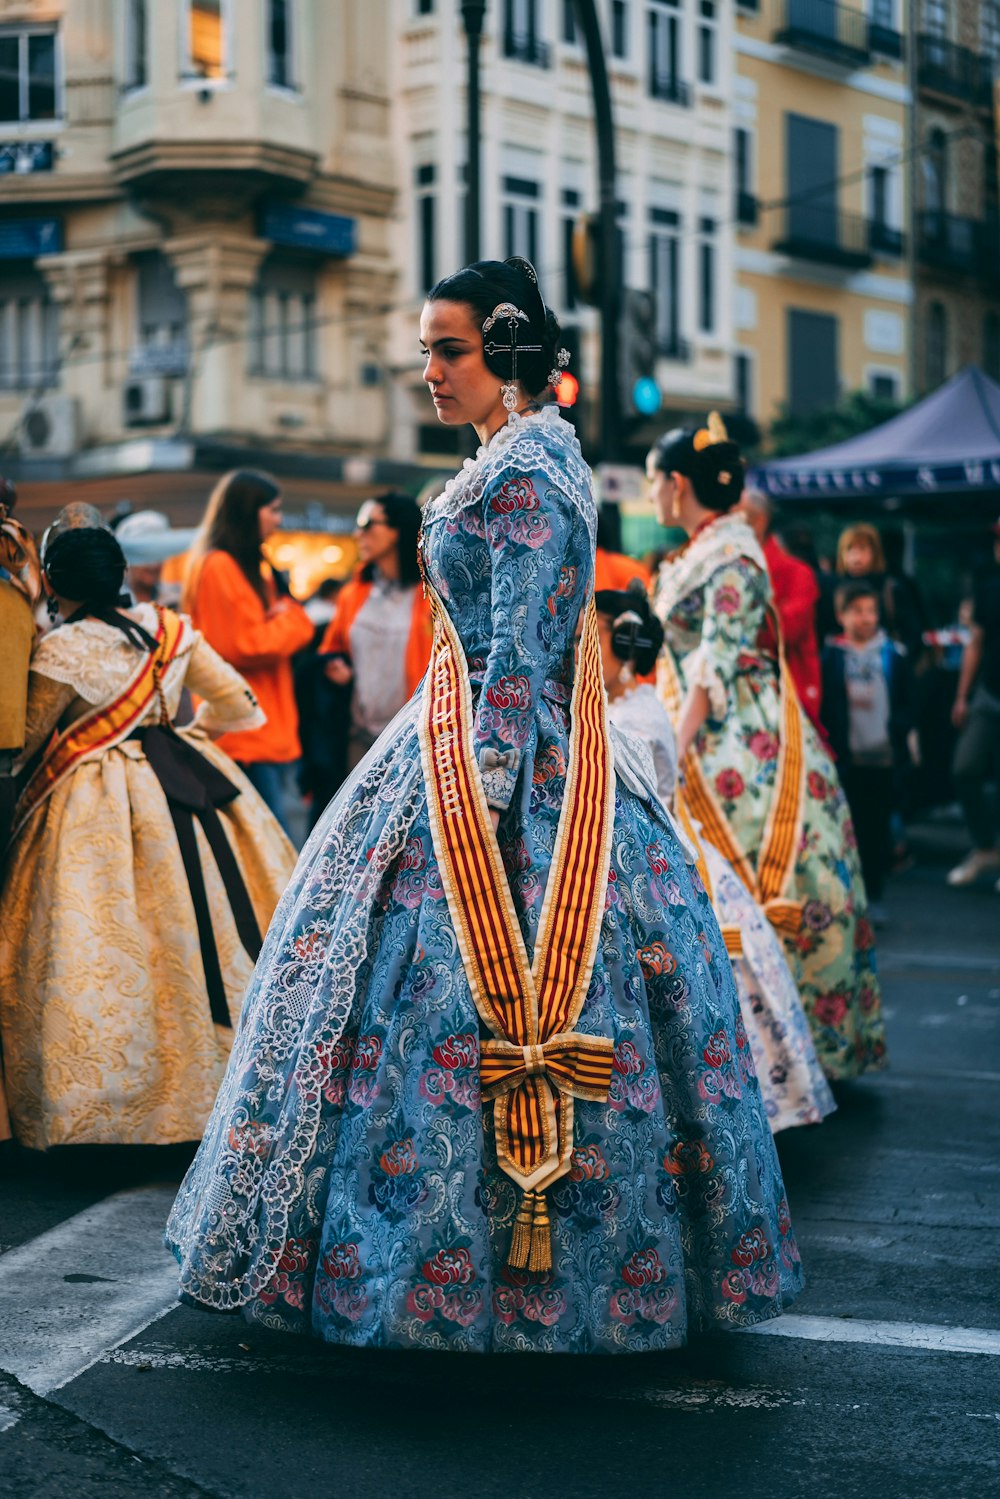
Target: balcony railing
[[885, 42], [823, 234], [669, 88], [746, 209], [836, 33], [670, 345], [969, 247], [524, 47], [945, 68], [884, 240]]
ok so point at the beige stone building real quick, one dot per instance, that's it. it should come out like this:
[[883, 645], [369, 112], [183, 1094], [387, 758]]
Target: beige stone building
[[196, 210], [957, 192], [824, 293]]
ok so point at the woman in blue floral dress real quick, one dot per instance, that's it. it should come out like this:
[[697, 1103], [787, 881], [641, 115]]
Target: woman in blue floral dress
[[348, 1185], [738, 715]]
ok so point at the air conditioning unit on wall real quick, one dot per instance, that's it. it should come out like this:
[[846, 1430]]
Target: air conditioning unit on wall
[[146, 401], [50, 427]]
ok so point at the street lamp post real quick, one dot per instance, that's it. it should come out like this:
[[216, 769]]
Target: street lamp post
[[604, 129], [473, 12]]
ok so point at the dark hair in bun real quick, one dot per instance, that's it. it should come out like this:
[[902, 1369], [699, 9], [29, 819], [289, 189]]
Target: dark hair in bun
[[637, 634], [483, 286], [706, 457], [87, 563]]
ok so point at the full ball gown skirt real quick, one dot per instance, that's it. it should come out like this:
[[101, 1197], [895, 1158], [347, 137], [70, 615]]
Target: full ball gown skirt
[[107, 1033], [348, 1185]]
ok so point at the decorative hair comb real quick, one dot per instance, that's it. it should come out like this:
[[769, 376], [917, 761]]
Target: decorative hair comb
[[707, 437]]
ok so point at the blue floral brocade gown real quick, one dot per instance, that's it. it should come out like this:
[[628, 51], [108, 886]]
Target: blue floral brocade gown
[[347, 1185]]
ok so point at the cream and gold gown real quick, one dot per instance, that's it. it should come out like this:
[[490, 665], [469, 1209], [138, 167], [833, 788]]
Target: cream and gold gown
[[108, 1037]]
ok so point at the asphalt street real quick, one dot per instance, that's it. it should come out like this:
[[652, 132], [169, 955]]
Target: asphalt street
[[883, 1381]]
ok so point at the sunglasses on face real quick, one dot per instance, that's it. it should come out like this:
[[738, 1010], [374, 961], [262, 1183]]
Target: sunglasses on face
[[372, 520]]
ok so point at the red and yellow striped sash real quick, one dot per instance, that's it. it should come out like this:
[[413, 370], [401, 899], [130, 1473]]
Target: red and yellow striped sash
[[535, 1064], [769, 882], [108, 725]]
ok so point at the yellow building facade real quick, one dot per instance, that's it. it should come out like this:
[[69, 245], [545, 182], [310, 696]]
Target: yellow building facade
[[824, 292]]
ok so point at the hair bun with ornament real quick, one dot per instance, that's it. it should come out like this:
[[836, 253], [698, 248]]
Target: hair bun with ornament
[[707, 457]]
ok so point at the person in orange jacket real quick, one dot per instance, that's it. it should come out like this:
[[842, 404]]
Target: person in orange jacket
[[379, 638], [234, 599]]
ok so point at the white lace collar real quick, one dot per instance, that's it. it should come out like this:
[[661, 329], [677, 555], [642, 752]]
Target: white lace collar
[[544, 442], [724, 540]]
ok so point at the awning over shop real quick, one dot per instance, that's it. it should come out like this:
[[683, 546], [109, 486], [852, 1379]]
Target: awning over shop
[[949, 443]]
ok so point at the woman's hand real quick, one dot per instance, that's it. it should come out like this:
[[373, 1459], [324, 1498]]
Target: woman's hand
[[338, 672], [494, 818], [959, 712]]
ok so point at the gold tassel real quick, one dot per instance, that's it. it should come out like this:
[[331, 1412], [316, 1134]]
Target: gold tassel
[[540, 1257], [520, 1243]]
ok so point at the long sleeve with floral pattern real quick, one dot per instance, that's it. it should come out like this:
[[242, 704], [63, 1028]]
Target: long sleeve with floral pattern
[[536, 595], [736, 597]]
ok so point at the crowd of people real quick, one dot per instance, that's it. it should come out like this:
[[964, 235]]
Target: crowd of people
[[587, 910]]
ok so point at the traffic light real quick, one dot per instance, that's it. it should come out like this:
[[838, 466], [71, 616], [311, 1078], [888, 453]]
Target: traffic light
[[587, 258], [637, 351]]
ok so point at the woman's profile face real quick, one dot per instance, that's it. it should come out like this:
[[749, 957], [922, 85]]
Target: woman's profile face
[[661, 493], [858, 559], [463, 389], [374, 536], [269, 518]]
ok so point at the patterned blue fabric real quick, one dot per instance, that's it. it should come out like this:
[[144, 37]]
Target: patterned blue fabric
[[347, 1185]]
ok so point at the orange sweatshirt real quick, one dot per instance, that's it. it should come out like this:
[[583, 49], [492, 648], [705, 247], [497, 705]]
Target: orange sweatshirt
[[418, 648], [260, 643]]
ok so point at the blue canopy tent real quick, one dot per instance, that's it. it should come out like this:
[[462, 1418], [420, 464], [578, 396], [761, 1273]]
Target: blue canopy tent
[[947, 444]]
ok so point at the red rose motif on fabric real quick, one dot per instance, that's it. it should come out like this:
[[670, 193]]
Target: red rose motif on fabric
[[764, 746], [627, 1060], [251, 1138], [819, 786], [733, 1287], [341, 1262], [730, 785], [830, 1009], [399, 1158], [643, 1268], [864, 935], [716, 1052], [509, 693], [295, 1256], [449, 1267], [727, 599], [457, 1051], [515, 494], [656, 959], [588, 1164], [309, 947], [687, 1158], [749, 1247]]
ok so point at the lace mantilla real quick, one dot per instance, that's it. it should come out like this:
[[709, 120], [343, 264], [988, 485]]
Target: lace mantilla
[[94, 658], [541, 442]]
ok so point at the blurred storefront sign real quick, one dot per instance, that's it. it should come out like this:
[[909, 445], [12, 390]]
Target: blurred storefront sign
[[331, 234], [23, 239]]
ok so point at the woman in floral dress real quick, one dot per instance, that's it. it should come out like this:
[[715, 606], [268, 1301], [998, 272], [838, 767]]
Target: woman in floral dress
[[756, 762], [794, 1088], [356, 1181]]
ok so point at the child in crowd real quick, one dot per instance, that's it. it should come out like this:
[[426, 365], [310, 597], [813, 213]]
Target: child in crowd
[[866, 711]]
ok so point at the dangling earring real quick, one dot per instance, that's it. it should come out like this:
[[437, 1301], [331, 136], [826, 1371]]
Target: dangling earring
[[508, 394], [625, 676], [675, 505]]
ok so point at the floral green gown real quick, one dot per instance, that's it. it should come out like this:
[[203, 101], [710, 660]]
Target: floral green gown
[[713, 598]]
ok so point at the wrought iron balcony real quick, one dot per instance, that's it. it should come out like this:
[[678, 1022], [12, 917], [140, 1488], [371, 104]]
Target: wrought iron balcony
[[821, 233], [746, 209], [836, 33], [526, 47], [884, 41], [969, 247], [884, 240], [669, 88], [956, 72]]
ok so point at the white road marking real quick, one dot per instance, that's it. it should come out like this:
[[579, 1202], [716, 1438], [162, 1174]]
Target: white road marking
[[91, 1283], [883, 1334], [889, 959]]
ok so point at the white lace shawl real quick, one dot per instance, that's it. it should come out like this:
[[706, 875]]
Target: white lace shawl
[[540, 442]]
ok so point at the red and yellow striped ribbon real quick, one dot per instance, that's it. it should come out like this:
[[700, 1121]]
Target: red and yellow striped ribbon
[[769, 882], [535, 1063], [107, 725]]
